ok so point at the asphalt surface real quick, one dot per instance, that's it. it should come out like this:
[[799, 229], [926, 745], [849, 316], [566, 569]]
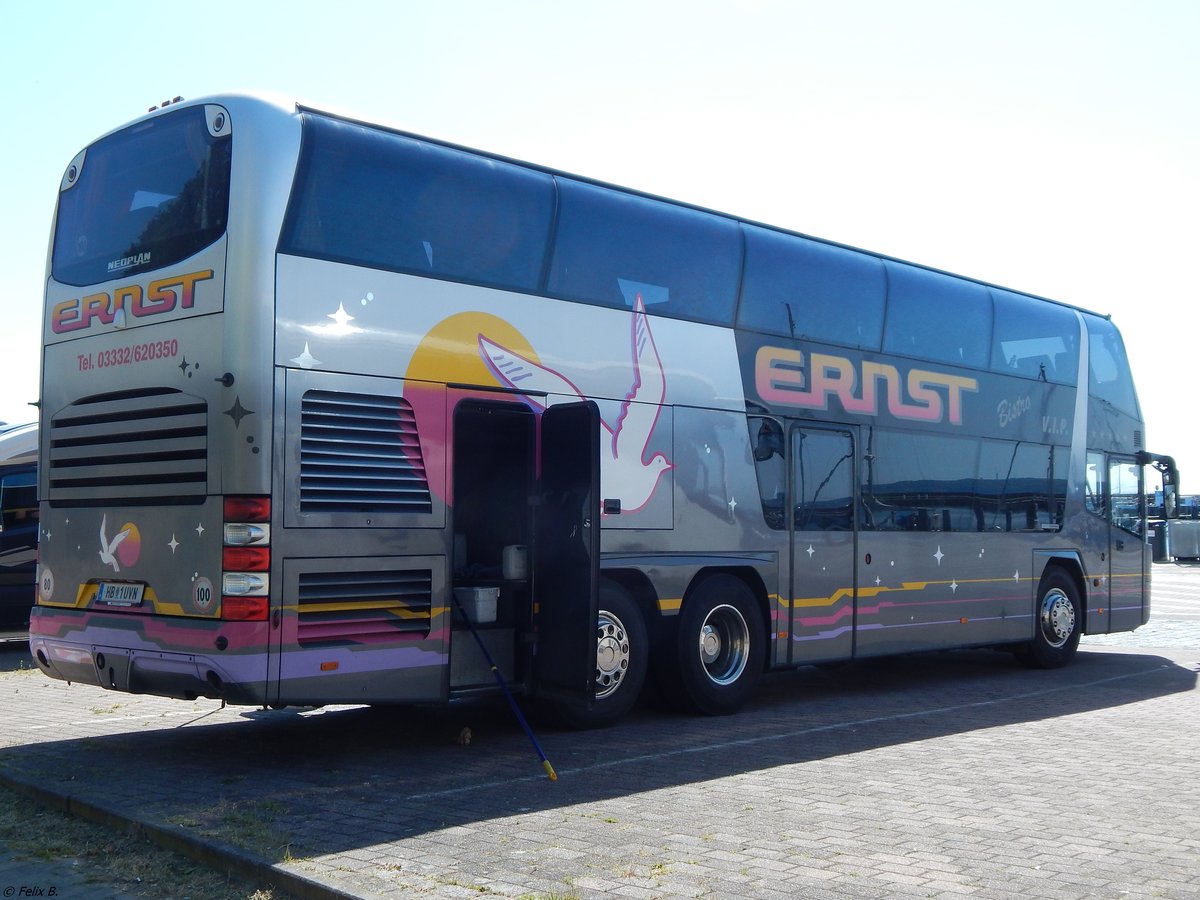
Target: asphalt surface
[[937, 775]]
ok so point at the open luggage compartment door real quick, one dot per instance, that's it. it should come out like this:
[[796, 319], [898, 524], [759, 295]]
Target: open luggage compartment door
[[566, 553]]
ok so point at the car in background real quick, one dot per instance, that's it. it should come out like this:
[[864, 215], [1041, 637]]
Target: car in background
[[18, 523]]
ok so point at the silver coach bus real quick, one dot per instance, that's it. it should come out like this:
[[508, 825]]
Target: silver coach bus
[[321, 397]]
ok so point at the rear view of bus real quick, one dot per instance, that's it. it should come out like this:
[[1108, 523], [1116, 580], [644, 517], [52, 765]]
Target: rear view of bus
[[154, 553]]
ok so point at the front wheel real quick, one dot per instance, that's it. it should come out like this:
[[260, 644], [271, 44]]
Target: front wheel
[[1059, 623], [622, 654], [721, 646]]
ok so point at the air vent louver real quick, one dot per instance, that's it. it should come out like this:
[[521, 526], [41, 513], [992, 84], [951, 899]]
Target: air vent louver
[[142, 446], [359, 453], [363, 607]]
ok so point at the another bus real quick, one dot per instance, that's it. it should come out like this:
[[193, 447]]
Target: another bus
[[18, 523], [322, 397]]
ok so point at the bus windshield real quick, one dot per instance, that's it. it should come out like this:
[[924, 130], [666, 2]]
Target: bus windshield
[[144, 197]]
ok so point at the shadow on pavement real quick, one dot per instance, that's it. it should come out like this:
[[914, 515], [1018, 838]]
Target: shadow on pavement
[[293, 783]]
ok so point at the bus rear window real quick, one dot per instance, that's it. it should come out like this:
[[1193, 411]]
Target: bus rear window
[[145, 197]]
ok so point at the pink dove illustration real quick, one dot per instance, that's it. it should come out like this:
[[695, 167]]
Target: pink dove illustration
[[625, 472]]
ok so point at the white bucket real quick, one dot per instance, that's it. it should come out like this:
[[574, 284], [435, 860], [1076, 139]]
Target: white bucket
[[478, 603], [514, 562]]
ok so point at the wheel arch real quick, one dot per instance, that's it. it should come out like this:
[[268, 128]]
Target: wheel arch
[[1070, 563]]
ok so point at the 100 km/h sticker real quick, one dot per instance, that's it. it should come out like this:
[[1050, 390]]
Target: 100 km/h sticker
[[203, 594]]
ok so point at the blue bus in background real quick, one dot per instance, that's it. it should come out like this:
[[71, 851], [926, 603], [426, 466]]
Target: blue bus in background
[[18, 523]]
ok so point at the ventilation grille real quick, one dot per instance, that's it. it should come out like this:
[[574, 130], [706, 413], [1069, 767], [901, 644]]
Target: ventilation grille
[[359, 453], [144, 446], [1138, 443], [363, 607]]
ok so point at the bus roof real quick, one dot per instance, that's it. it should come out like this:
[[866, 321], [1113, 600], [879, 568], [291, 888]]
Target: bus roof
[[289, 106]]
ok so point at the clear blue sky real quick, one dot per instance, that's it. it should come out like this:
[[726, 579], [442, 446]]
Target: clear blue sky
[[1046, 145]]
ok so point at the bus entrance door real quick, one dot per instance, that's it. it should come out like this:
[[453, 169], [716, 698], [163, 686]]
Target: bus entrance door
[[1127, 548], [823, 599], [566, 550]]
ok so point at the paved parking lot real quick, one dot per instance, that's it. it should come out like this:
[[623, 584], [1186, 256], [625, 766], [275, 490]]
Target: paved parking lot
[[942, 775]]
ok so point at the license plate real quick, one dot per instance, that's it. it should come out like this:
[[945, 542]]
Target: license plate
[[119, 593]]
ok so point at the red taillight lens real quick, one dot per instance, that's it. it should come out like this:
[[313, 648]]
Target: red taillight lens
[[246, 559], [247, 509], [244, 609]]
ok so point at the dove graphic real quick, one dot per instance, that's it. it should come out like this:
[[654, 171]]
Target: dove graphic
[[625, 472], [108, 551]]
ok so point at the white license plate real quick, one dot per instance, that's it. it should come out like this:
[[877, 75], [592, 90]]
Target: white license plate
[[119, 593]]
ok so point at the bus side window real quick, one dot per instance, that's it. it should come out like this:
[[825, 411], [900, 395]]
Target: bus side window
[[1126, 497], [1094, 484], [802, 288], [1108, 376], [937, 317], [611, 248], [823, 479], [18, 500], [770, 467], [390, 201], [1034, 339]]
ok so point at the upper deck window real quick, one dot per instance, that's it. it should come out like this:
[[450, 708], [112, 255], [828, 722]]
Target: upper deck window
[[938, 317], [612, 247], [1109, 377], [380, 199], [1035, 339], [143, 198], [805, 289]]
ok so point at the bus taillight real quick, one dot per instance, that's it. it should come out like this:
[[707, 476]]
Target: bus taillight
[[244, 609], [246, 559], [247, 509]]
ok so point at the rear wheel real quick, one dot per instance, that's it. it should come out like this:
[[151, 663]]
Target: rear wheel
[[721, 645], [1059, 623], [622, 654]]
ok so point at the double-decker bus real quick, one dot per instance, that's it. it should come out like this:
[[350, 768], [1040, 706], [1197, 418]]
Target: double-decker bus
[[321, 397]]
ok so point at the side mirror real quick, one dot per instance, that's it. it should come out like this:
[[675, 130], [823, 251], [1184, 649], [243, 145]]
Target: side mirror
[[1170, 479], [770, 441]]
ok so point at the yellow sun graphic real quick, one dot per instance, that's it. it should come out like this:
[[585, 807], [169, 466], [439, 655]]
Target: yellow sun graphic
[[449, 352]]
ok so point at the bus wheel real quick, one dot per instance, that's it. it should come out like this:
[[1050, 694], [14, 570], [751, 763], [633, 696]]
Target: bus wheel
[[1059, 623], [721, 646], [622, 654]]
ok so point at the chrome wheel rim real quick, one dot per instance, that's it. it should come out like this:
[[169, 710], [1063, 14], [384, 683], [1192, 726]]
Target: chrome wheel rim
[[724, 644], [1058, 618], [612, 654]]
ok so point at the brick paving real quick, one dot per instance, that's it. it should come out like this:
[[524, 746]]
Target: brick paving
[[943, 775]]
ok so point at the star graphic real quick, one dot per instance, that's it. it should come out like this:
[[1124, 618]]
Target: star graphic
[[810, 551], [1017, 575], [237, 412], [732, 505], [172, 543], [183, 366], [306, 360], [939, 556], [953, 586], [200, 529], [341, 317]]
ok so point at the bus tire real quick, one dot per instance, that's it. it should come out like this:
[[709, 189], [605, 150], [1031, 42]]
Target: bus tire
[[721, 646], [622, 656], [1058, 623]]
